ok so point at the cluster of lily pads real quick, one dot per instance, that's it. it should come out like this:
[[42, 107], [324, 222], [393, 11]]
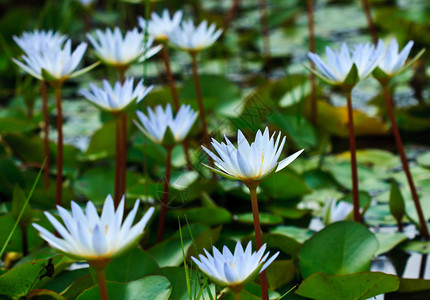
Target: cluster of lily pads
[[103, 239]]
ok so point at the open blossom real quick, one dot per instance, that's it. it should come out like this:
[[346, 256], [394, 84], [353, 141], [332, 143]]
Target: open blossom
[[339, 63], [114, 49], [157, 123], [233, 270], [118, 97], [250, 162], [194, 39], [160, 27], [86, 235], [39, 40], [337, 210], [54, 64], [393, 62]]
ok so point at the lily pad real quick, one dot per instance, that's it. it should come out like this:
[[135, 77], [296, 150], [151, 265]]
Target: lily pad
[[340, 248], [348, 287]]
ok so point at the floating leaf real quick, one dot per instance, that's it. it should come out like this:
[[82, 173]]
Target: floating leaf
[[150, 287], [348, 287], [133, 265], [340, 248]]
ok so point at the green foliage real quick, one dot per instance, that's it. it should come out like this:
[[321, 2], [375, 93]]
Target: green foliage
[[340, 248], [348, 287], [150, 287]]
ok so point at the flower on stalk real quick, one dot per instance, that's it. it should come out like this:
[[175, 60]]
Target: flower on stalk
[[393, 61], [347, 67], [119, 51], [39, 40], [165, 129], [234, 270], [194, 39], [250, 163], [160, 27], [86, 235], [337, 211], [56, 64], [116, 98]]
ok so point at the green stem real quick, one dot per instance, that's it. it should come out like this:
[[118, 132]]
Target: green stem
[[258, 239], [59, 146], [402, 154], [354, 174]]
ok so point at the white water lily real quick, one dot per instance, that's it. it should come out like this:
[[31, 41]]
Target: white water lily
[[157, 123], [339, 63], [194, 39], [234, 270], [55, 64], [112, 48], [337, 211], [250, 162], [118, 97], [39, 40], [86, 235], [394, 62], [159, 27]]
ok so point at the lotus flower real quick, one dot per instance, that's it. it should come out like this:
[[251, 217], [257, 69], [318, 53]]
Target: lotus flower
[[86, 235], [56, 64], [234, 270], [365, 58], [116, 98], [194, 39], [250, 162], [39, 40], [394, 62], [159, 122], [114, 49], [160, 27]]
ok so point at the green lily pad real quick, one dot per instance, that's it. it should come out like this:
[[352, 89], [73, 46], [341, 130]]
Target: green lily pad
[[265, 218], [284, 184], [348, 287], [133, 265], [340, 248], [150, 287]]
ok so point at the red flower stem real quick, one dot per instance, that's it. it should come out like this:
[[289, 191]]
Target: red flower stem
[[175, 98], [231, 14], [165, 199], [59, 146], [402, 154], [423, 266], [354, 174], [258, 239], [101, 278], [311, 27], [45, 134], [118, 156], [206, 139], [264, 29], [372, 28], [123, 153], [24, 237]]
